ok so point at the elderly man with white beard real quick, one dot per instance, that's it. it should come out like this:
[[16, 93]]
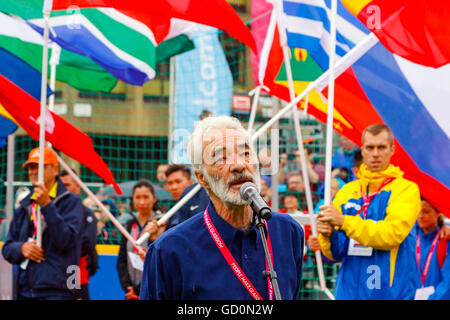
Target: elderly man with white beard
[[219, 255]]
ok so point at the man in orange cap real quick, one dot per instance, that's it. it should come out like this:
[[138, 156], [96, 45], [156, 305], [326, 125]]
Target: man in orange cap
[[48, 272]]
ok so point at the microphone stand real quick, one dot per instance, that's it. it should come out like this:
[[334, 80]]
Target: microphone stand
[[272, 275]]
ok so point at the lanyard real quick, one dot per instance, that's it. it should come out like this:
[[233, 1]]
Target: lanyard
[[34, 217], [428, 261], [368, 199], [135, 236], [232, 262]]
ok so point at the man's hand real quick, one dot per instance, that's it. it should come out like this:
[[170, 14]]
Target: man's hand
[[130, 294], [324, 229], [445, 232], [329, 214], [142, 253], [313, 243], [32, 252], [154, 230], [42, 197]]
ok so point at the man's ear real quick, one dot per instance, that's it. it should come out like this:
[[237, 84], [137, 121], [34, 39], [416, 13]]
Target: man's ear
[[201, 179]]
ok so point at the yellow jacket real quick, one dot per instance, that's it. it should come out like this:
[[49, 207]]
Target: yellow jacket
[[390, 218]]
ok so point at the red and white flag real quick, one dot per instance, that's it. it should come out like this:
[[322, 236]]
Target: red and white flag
[[63, 136]]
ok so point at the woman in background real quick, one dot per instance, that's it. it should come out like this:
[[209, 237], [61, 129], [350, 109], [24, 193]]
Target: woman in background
[[432, 255], [130, 263]]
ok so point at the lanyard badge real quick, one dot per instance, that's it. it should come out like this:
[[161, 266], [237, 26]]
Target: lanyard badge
[[232, 262]]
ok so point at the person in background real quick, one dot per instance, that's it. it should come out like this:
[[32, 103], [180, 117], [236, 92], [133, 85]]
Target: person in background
[[312, 174], [342, 161], [432, 255], [291, 204], [161, 177], [89, 258], [196, 204], [44, 272], [107, 232], [368, 226], [129, 262], [178, 179]]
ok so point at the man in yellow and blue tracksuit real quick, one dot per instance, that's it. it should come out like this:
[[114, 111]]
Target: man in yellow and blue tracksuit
[[369, 226]]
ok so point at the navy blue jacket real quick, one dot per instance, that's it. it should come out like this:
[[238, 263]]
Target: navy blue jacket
[[196, 204], [61, 241], [184, 263]]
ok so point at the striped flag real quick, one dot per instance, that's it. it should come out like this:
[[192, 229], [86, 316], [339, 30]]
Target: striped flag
[[80, 72], [7, 125], [385, 88], [121, 45], [108, 41], [307, 25]]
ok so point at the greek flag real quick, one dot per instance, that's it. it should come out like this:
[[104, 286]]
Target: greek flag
[[307, 24]]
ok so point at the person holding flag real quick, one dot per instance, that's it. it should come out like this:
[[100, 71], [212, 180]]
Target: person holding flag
[[45, 273], [368, 226]]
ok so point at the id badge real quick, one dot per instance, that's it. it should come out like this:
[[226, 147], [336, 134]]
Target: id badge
[[136, 261], [25, 262], [357, 249], [424, 293]]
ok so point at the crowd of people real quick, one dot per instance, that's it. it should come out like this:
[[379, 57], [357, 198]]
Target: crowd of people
[[376, 220]]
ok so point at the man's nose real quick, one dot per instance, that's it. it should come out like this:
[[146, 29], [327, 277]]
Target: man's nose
[[237, 166]]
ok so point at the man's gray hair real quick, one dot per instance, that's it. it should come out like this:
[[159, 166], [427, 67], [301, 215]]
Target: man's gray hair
[[202, 128]]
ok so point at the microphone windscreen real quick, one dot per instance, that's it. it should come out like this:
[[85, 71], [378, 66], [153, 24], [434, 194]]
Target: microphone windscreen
[[246, 190]]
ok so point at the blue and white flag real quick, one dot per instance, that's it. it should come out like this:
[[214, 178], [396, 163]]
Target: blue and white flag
[[203, 83], [308, 23]]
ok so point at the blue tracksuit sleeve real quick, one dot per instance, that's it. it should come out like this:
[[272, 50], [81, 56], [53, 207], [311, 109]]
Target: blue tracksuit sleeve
[[339, 244], [64, 228], [11, 249], [442, 290]]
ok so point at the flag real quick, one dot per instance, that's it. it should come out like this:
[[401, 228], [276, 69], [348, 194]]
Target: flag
[[415, 30], [120, 47], [80, 72], [7, 125], [382, 87], [215, 13], [272, 74], [308, 27], [19, 95]]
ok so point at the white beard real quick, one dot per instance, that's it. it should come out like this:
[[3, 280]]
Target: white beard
[[222, 189]]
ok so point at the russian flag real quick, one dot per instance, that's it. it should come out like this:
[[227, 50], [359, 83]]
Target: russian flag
[[382, 87], [410, 99]]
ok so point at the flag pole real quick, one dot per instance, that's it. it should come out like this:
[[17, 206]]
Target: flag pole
[[255, 93], [329, 134], [321, 82], [91, 195], [43, 117], [298, 131]]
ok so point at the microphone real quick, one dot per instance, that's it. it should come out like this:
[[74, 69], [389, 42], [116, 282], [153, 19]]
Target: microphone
[[249, 192]]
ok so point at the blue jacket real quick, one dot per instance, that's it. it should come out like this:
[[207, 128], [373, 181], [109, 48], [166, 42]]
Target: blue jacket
[[60, 240], [196, 204], [391, 271], [185, 263], [436, 277]]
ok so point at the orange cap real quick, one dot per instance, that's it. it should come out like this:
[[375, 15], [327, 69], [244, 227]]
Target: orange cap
[[50, 157]]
